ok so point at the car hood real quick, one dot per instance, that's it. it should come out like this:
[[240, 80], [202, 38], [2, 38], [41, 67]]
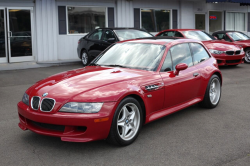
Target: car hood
[[66, 85], [220, 45]]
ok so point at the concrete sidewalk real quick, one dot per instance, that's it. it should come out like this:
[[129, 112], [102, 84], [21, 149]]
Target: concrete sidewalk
[[28, 65]]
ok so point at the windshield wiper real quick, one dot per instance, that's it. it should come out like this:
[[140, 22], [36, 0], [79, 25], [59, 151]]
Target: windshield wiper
[[115, 65]]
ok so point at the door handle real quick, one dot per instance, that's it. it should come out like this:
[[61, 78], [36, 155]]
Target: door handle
[[195, 74], [10, 34]]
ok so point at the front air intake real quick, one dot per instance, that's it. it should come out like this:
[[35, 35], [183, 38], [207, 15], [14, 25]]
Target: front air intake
[[47, 104]]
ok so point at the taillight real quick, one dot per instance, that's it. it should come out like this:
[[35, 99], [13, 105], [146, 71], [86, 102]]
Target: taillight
[[79, 41]]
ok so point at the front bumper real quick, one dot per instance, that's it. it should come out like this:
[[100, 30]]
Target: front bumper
[[224, 59], [73, 127]]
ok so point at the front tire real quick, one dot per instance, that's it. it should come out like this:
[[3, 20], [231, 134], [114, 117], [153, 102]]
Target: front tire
[[127, 122], [85, 58], [247, 55], [213, 93]]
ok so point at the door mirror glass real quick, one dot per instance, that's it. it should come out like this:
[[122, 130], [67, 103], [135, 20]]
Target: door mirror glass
[[179, 67]]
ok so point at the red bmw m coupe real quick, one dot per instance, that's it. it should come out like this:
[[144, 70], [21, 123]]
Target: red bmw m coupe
[[225, 52], [129, 84]]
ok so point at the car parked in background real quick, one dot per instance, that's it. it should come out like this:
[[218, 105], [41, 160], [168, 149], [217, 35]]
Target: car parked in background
[[225, 52], [129, 84], [238, 38], [98, 40]]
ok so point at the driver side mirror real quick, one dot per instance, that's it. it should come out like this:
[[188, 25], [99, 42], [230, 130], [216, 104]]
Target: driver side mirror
[[215, 37], [111, 40], [179, 67]]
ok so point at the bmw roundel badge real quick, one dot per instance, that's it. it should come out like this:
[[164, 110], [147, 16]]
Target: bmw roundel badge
[[45, 94]]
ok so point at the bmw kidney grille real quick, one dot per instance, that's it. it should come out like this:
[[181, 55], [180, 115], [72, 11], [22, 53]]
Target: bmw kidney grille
[[35, 101], [47, 104]]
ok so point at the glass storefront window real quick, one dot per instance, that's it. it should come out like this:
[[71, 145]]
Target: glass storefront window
[[215, 21], [200, 22], [235, 21], [154, 20], [85, 19]]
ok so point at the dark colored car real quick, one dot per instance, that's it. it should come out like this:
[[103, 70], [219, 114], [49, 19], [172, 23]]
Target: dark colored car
[[236, 37], [225, 53], [130, 84], [98, 40]]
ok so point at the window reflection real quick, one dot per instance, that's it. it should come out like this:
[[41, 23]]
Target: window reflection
[[85, 19], [133, 55], [155, 20]]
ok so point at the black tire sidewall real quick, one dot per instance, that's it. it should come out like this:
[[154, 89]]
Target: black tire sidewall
[[88, 58], [248, 49], [207, 97], [113, 129]]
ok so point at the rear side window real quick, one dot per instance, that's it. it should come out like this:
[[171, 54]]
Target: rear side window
[[199, 53], [96, 35], [167, 65], [220, 36], [167, 33], [181, 54]]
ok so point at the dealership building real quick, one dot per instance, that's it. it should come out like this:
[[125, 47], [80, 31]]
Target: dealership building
[[47, 31]]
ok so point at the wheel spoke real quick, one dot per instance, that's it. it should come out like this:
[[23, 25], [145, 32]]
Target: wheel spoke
[[125, 111], [132, 115]]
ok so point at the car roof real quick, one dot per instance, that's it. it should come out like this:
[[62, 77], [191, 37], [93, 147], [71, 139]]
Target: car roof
[[181, 30], [162, 40], [223, 32], [122, 28]]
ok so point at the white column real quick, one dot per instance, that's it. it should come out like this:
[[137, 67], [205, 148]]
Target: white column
[[45, 30], [124, 13]]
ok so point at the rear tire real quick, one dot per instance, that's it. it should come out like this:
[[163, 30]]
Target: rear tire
[[85, 58], [127, 122], [247, 55], [213, 93]]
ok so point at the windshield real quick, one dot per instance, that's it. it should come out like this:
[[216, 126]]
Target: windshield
[[199, 35], [126, 34], [142, 56], [236, 36]]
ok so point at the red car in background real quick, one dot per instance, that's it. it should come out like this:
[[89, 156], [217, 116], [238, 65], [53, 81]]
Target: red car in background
[[226, 53], [238, 38], [129, 84]]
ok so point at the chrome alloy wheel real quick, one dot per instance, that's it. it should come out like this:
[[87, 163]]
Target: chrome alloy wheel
[[84, 58], [247, 56], [214, 91], [128, 121]]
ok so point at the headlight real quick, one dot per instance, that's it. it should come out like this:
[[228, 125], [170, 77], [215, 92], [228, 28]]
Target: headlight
[[216, 51], [25, 99], [81, 107]]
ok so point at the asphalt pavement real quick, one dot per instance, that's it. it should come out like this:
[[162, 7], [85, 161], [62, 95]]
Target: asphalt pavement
[[192, 137]]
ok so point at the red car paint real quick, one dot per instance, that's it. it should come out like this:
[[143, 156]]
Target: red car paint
[[223, 59], [110, 85]]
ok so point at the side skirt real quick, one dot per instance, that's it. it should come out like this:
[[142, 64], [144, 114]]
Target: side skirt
[[164, 112]]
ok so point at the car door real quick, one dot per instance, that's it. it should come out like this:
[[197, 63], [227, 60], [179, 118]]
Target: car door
[[108, 38], [183, 87], [93, 42]]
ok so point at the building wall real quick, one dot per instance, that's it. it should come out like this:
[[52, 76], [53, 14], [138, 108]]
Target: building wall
[[67, 44]]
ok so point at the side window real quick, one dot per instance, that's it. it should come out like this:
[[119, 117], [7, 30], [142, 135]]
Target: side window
[[167, 33], [178, 34], [220, 36], [96, 35], [167, 65], [108, 34], [199, 53], [181, 54]]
